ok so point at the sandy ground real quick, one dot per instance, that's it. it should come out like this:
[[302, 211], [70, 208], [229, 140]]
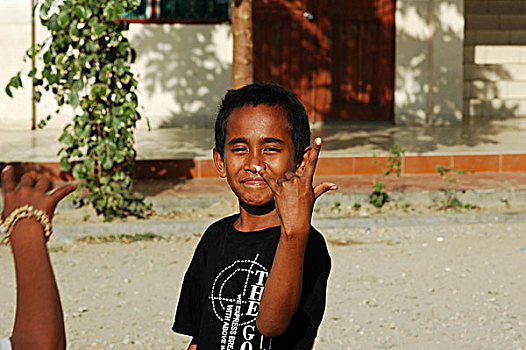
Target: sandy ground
[[427, 286]]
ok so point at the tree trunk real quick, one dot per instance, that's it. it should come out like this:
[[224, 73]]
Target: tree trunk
[[243, 66]]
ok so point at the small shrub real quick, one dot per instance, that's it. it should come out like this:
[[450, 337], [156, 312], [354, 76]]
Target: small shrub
[[86, 65], [379, 197]]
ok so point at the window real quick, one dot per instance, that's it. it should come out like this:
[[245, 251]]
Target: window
[[173, 11]]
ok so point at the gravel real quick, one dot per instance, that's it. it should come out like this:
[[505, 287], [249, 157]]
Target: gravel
[[411, 282]]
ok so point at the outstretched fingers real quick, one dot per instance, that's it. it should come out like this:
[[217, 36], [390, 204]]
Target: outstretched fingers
[[324, 187], [271, 182], [28, 179], [8, 179], [312, 161], [61, 192], [42, 184]]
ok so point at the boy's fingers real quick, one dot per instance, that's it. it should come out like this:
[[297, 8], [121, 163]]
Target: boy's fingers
[[289, 175], [310, 167], [27, 180], [8, 179], [42, 184], [63, 191], [271, 182], [324, 187]]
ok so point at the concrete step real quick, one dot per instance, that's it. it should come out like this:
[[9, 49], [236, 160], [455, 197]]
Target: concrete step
[[495, 6], [494, 54], [503, 108], [495, 89], [495, 21], [494, 37], [495, 72]]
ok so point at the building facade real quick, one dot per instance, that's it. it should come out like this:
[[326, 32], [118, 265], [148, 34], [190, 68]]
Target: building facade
[[434, 62]]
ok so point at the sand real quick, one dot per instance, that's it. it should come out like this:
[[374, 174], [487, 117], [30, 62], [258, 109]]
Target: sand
[[432, 285]]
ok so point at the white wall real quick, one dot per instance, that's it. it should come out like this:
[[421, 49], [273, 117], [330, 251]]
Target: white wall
[[183, 71], [15, 39], [429, 47]]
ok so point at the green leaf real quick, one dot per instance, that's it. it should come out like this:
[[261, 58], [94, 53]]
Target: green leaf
[[44, 10], [74, 99], [114, 41], [99, 29], [60, 61], [64, 164], [78, 84], [91, 46], [47, 57], [80, 12], [41, 124], [63, 17], [14, 82], [78, 171], [108, 163], [120, 68], [8, 90], [74, 30], [67, 139], [119, 157]]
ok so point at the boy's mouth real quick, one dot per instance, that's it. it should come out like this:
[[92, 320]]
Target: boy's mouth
[[254, 182]]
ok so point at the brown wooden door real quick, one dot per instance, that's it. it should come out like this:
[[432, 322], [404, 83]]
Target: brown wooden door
[[337, 55]]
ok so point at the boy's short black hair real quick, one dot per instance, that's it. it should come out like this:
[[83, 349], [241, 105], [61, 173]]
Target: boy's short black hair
[[271, 95]]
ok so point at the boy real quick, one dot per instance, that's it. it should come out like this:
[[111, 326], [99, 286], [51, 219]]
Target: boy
[[258, 279]]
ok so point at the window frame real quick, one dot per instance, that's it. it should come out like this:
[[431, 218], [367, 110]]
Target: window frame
[[155, 20]]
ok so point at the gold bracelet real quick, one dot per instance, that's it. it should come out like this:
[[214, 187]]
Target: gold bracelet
[[26, 211]]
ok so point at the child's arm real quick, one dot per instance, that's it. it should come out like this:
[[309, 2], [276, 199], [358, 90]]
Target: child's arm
[[39, 322], [294, 197]]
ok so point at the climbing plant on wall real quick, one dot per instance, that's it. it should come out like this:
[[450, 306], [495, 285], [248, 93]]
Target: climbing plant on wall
[[86, 63]]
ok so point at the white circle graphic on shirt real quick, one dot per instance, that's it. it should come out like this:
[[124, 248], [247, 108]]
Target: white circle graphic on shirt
[[239, 284]]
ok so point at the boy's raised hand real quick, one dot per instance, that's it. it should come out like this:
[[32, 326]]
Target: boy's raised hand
[[294, 194], [31, 191]]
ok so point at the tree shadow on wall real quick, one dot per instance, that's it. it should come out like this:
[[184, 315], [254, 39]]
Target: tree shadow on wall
[[413, 69], [184, 63]]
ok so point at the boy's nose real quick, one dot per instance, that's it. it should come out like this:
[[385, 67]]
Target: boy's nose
[[251, 162]]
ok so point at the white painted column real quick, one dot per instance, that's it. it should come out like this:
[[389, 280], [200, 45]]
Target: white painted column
[[429, 51]]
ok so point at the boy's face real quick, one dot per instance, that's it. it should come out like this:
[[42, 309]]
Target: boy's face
[[255, 136]]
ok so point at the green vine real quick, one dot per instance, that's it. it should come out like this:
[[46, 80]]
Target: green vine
[[379, 197], [86, 65]]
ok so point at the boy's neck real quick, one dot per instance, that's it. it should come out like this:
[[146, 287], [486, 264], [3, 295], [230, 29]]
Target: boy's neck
[[253, 220]]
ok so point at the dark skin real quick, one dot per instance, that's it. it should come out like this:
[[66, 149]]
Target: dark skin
[[273, 189], [39, 321]]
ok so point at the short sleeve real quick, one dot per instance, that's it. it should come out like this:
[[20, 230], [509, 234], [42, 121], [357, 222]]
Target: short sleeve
[[5, 344], [317, 268], [188, 313], [187, 316]]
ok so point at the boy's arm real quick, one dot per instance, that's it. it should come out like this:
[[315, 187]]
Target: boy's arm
[[39, 323], [294, 197]]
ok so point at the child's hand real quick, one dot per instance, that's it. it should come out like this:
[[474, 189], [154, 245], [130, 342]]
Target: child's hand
[[30, 193], [294, 195]]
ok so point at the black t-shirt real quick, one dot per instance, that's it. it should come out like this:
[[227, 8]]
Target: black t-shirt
[[223, 285]]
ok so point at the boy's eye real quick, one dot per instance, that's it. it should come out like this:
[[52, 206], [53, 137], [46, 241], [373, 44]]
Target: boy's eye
[[272, 149], [238, 149]]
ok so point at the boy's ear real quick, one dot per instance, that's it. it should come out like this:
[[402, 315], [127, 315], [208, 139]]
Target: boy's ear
[[300, 165], [220, 165]]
